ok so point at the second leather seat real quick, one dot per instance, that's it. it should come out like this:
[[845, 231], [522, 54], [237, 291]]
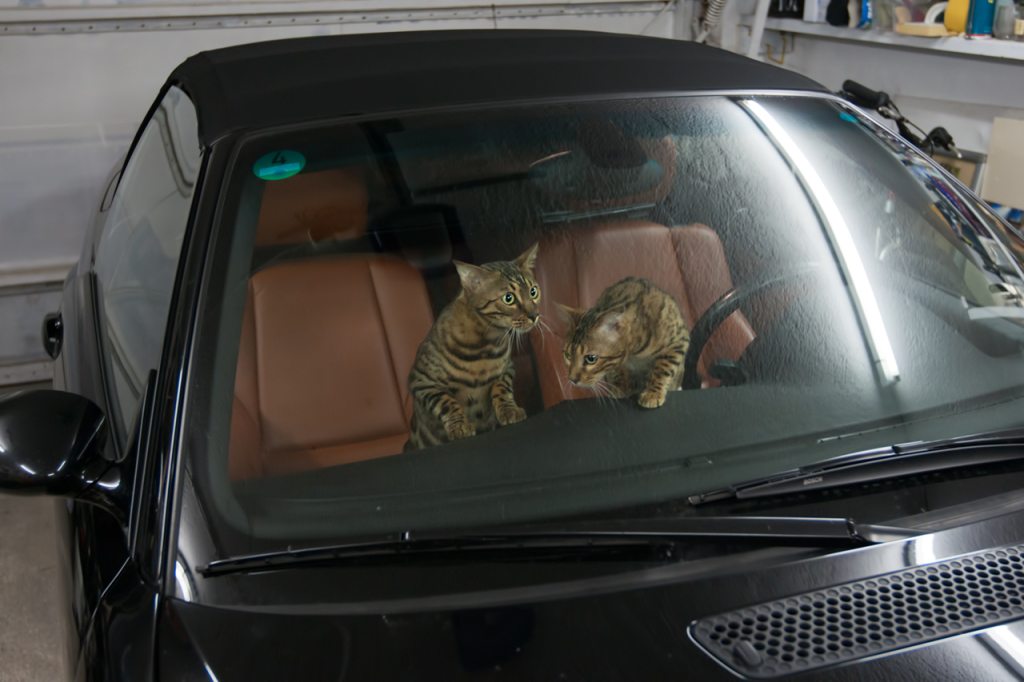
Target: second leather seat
[[575, 266]]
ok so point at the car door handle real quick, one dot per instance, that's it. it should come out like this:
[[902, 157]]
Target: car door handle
[[53, 334]]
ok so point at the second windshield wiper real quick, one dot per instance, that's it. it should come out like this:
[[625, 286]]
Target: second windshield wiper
[[576, 537], [879, 464]]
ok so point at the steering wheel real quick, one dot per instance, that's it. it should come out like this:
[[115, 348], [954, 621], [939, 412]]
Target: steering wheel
[[730, 302]]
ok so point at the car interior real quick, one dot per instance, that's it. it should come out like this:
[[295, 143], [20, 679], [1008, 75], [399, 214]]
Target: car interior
[[296, 331], [321, 232]]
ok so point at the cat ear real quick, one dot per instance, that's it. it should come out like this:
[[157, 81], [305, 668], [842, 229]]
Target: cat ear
[[571, 316], [528, 259], [473, 277], [610, 324]]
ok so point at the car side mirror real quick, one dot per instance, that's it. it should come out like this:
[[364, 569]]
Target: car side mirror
[[51, 442]]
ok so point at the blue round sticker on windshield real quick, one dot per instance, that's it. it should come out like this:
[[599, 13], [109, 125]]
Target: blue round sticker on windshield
[[279, 165]]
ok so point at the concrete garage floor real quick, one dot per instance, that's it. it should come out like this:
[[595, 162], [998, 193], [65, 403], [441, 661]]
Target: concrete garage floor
[[31, 649]]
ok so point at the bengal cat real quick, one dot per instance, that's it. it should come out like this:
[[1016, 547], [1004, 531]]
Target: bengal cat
[[461, 380], [634, 339]]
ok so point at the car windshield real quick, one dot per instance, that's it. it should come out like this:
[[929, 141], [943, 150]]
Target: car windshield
[[467, 318]]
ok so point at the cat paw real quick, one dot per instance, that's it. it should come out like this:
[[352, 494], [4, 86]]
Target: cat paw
[[510, 415], [458, 431], [651, 399]]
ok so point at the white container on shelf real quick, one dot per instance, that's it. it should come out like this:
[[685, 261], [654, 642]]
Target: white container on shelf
[[814, 11]]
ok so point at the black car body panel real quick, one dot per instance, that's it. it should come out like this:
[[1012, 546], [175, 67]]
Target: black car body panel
[[123, 622], [91, 541], [255, 86], [632, 627]]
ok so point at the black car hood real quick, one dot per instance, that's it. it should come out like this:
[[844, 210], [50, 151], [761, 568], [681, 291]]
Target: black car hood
[[629, 627]]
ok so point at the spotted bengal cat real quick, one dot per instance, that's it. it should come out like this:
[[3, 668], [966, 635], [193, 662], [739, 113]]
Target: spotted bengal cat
[[634, 339], [461, 380]]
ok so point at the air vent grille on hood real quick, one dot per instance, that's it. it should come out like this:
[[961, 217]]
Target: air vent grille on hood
[[869, 617]]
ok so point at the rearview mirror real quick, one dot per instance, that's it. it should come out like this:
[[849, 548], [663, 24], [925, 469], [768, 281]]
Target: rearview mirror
[[51, 442]]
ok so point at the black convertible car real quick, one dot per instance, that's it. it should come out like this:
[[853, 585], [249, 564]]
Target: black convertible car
[[835, 492]]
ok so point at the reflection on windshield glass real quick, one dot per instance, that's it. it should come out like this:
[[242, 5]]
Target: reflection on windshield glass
[[473, 318], [849, 259], [137, 253]]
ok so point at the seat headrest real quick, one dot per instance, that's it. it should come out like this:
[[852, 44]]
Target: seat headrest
[[329, 204], [630, 172]]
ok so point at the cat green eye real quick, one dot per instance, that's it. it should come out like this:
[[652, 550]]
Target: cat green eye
[[509, 299], [533, 292], [589, 359]]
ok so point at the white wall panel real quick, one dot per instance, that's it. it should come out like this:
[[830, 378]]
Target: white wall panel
[[961, 93], [69, 105]]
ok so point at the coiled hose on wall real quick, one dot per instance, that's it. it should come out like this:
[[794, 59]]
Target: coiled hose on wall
[[711, 18]]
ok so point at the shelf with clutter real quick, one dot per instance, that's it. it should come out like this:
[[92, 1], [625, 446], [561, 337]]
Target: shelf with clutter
[[954, 27]]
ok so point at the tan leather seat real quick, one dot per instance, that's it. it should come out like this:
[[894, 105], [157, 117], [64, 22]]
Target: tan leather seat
[[329, 204], [326, 346], [574, 267]]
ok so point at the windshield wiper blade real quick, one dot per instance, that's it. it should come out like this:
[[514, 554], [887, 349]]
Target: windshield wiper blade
[[879, 464], [582, 536]]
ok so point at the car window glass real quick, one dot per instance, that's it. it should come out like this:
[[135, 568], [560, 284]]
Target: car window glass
[[137, 253], [872, 303]]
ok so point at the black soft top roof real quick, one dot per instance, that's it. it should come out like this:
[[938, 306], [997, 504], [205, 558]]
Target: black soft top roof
[[287, 81]]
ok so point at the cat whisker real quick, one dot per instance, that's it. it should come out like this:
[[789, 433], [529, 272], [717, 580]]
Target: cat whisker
[[561, 382], [540, 330], [609, 395], [596, 390], [544, 330]]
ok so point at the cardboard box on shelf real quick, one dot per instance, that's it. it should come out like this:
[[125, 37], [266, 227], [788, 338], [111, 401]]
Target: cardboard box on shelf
[[1004, 171]]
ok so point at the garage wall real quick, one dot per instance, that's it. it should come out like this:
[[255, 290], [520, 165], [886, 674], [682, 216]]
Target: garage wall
[[69, 105], [960, 92], [73, 89]]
